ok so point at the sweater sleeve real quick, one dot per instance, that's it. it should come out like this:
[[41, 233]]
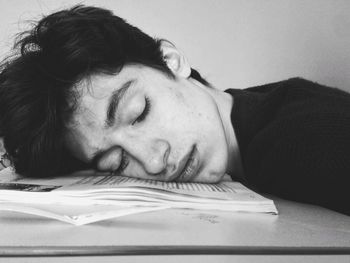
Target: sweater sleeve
[[304, 157], [294, 140]]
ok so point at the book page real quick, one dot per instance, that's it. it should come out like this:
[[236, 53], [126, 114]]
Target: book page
[[92, 181], [122, 195]]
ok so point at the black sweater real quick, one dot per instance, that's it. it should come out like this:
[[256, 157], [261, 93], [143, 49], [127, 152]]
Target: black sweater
[[294, 139]]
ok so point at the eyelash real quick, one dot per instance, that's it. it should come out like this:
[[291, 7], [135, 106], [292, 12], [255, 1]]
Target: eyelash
[[145, 111], [143, 115], [124, 163]]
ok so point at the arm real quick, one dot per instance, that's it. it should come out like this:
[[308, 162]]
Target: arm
[[306, 161]]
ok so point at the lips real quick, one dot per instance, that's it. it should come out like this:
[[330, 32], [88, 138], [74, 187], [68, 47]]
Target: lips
[[189, 166]]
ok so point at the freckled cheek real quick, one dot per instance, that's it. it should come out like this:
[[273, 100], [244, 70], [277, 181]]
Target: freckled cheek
[[173, 118]]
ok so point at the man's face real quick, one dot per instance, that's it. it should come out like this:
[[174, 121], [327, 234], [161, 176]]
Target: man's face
[[142, 123]]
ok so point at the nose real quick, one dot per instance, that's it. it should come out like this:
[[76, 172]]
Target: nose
[[151, 154], [155, 157]]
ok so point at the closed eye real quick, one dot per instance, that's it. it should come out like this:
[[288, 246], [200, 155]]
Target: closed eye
[[145, 111]]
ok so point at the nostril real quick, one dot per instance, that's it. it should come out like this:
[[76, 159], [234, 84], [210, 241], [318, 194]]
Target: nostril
[[166, 156]]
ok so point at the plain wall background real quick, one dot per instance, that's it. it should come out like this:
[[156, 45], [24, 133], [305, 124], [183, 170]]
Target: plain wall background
[[233, 43]]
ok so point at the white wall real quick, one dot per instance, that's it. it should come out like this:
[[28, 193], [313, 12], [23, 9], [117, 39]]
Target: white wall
[[232, 43]]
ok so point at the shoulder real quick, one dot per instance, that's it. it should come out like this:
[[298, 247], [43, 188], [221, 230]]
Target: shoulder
[[298, 84], [298, 99], [306, 134], [282, 94], [295, 107]]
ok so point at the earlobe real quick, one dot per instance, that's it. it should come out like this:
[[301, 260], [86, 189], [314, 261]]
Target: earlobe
[[175, 60]]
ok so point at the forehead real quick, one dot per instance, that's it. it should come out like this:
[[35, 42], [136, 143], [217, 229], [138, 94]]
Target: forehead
[[93, 94], [85, 126], [99, 86]]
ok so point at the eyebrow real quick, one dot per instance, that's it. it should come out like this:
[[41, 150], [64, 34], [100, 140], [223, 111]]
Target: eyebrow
[[113, 103]]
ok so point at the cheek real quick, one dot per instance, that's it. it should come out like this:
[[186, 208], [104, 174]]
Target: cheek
[[210, 178], [185, 115], [110, 161], [179, 117]]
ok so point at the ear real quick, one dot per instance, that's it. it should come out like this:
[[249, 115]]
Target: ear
[[175, 60]]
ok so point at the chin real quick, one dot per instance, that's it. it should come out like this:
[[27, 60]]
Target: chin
[[209, 177]]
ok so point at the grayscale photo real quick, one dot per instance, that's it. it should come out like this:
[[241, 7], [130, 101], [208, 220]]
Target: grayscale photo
[[175, 131]]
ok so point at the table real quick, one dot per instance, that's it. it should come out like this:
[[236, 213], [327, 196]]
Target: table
[[300, 231]]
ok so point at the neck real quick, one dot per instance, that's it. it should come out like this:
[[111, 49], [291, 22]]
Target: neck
[[234, 165], [225, 103]]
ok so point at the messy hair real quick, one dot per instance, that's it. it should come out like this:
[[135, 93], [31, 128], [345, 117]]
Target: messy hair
[[37, 85]]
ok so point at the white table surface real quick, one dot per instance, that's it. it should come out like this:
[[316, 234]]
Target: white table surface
[[300, 231]]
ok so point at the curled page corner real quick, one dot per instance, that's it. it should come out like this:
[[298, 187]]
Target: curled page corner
[[99, 216]]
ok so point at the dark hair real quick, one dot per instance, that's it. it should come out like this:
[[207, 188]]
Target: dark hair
[[37, 95]]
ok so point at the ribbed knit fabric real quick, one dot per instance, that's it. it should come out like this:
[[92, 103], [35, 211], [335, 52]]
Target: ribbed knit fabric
[[294, 139]]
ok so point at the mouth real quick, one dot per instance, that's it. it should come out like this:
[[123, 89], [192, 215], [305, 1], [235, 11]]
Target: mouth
[[190, 167]]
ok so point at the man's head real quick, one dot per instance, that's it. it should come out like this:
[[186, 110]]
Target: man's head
[[58, 110]]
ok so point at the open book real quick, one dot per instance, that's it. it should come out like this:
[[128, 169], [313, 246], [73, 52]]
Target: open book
[[88, 196]]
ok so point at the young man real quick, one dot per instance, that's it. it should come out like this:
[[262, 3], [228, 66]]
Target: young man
[[90, 91]]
